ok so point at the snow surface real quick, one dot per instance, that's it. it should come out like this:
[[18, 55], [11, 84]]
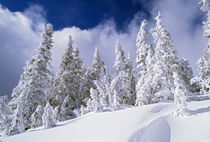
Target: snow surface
[[151, 123]]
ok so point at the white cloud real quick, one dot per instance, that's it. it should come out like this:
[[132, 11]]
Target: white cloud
[[18, 38]]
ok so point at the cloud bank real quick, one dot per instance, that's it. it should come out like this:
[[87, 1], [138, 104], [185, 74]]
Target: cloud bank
[[20, 35]]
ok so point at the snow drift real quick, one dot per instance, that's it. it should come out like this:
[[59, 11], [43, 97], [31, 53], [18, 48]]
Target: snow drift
[[150, 123]]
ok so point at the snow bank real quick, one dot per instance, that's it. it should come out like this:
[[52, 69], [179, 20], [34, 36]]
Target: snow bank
[[151, 123]]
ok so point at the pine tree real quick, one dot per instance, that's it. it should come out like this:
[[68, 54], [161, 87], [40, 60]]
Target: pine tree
[[17, 124], [68, 84], [48, 118], [180, 93], [119, 64], [131, 78], [64, 76], [120, 87], [6, 115], [89, 107], [103, 88], [186, 72], [78, 83], [83, 110], [202, 80], [165, 61], [123, 74], [66, 109], [145, 61], [142, 46], [31, 90], [94, 103], [94, 73], [116, 101], [36, 117]]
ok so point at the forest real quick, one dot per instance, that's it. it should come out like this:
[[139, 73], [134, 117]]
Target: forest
[[43, 99]]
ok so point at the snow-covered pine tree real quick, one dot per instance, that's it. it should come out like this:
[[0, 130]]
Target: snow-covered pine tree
[[107, 83], [101, 96], [89, 107], [94, 103], [79, 93], [142, 46], [119, 64], [103, 88], [82, 110], [17, 124], [132, 87], [66, 111], [94, 73], [31, 90], [48, 118], [187, 73], [68, 85], [180, 93], [165, 60], [116, 101], [60, 88], [202, 80], [123, 74], [120, 86], [144, 59], [6, 115], [36, 118]]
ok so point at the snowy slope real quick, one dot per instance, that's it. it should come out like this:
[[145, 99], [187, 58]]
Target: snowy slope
[[151, 123]]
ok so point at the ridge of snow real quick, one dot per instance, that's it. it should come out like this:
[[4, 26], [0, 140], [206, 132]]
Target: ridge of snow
[[150, 123]]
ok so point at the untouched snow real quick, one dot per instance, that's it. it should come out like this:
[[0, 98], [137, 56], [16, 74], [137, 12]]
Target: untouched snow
[[151, 123]]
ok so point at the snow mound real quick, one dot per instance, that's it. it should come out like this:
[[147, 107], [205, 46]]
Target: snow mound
[[151, 123], [157, 130]]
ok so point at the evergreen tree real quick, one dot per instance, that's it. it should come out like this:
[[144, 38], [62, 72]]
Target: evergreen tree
[[131, 78], [48, 118], [103, 87], [116, 101], [186, 72], [36, 117], [123, 74], [145, 61], [64, 76], [31, 90], [83, 110], [68, 84], [180, 93], [202, 80], [165, 61], [78, 83], [142, 46], [6, 115], [120, 87], [66, 111], [119, 64], [17, 124], [89, 107], [94, 73], [94, 103]]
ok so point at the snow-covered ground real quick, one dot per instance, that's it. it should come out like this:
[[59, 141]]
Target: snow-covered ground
[[151, 123]]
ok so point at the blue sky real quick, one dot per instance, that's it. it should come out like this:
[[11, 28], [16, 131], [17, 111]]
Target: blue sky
[[84, 13], [92, 23]]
